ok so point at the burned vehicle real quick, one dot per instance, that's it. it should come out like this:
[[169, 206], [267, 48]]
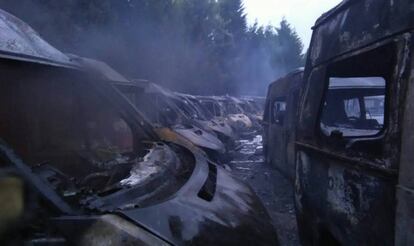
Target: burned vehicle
[[223, 108], [235, 115], [354, 162], [167, 114], [279, 123], [79, 165], [254, 105], [194, 110], [159, 107], [255, 115]]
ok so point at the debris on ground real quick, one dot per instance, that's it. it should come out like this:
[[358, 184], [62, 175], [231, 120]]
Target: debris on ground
[[273, 189]]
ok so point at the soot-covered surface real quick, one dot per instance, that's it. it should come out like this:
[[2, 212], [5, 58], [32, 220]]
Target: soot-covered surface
[[273, 189]]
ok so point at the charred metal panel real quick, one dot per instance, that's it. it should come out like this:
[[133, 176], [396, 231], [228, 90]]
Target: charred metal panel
[[205, 225], [346, 201], [358, 23], [19, 41]]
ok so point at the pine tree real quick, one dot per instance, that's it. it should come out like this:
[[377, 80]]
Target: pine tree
[[289, 47]]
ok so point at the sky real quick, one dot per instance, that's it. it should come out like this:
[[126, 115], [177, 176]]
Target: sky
[[301, 14]]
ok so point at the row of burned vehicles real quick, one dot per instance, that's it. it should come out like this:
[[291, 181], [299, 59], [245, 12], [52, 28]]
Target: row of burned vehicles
[[212, 124], [341, 129], [88, 157]]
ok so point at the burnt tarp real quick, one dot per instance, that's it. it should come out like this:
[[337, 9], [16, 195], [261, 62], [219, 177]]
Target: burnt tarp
[[19, 41]]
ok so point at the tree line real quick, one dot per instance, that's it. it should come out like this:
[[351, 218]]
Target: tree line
[[193, 46]]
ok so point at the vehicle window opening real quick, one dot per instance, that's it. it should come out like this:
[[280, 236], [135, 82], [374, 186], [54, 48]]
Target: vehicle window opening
[[212, 108], [198, 108], [232, 108], [184, 108], [355, 98], [157, 109], [279, 111], [64, 125], [172, 114]]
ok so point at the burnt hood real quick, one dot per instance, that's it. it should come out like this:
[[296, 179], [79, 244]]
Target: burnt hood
[[212, 209]]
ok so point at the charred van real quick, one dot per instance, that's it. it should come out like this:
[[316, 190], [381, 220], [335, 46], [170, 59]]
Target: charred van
[[279, 123], [354, 162], [204, 117]]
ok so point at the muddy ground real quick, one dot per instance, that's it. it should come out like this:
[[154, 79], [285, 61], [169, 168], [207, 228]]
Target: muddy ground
[[274, 190]]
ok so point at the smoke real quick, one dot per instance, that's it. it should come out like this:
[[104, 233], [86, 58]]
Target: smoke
[[153, 42], [257, 72]]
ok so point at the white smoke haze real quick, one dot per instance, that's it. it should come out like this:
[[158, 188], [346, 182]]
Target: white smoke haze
[[175, 53]]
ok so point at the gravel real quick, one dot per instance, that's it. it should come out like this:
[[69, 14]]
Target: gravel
[[275, 191]]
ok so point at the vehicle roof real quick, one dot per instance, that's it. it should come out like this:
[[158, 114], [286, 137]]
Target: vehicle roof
[[283, 84], [292, 73], [18, 41], [327, 15], [354, 24]]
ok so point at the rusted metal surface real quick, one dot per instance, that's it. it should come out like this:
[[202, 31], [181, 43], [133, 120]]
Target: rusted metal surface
[[345, 187]]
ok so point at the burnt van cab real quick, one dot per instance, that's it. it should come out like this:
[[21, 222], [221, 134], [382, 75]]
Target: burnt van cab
[[79, 165], [354, 180], [279, 122]]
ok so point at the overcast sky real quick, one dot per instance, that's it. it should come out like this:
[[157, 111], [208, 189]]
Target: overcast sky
[[301, 14]]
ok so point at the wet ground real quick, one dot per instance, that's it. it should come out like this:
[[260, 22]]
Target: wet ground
[[274, 190]]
